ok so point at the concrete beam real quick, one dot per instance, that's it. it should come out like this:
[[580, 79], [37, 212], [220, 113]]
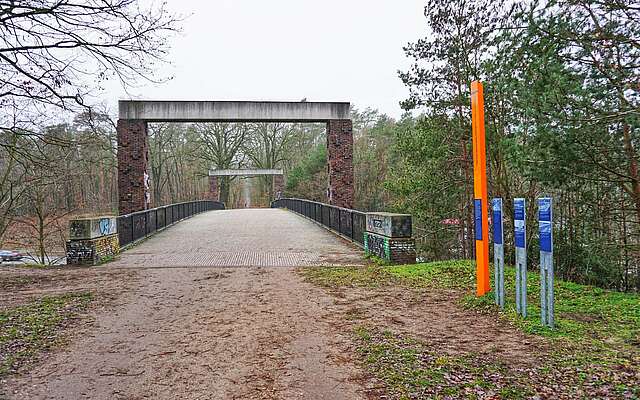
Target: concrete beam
[[232, 111], [245, 172]]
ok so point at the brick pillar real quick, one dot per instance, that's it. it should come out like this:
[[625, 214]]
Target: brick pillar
[[340, 162], [133, 159], [278, 186], [214, 188]]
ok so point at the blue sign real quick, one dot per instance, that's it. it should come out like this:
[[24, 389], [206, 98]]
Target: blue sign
[[544, 209], [497, 221], [546, 226], [519, 222], [477, 212]]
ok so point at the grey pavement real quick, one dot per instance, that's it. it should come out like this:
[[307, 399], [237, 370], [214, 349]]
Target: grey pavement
[[242, 238]]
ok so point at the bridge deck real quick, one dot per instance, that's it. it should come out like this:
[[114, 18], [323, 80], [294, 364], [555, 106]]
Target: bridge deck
[[242, 238]]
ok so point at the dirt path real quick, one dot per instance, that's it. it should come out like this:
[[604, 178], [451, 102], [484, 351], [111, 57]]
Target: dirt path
[[204, 333], [214, 308]]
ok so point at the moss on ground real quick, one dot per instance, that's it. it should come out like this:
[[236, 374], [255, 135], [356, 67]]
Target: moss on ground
[[412, 370], [27, 330], [582, 312]]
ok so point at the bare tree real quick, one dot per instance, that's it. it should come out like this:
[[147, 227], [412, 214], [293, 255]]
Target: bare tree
[[269, 147], [56, 52], [54, 55], [221, 147]]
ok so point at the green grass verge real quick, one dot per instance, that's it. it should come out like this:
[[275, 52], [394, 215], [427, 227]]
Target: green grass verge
[[595, 348], [582, 312], [27, 330], [411, 369]]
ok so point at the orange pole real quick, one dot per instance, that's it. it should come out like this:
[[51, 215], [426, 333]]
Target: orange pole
[[480, 189]]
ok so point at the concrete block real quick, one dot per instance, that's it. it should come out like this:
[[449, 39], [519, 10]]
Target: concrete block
[[91, 228], [389, 224], [238, 111], [397, 251]]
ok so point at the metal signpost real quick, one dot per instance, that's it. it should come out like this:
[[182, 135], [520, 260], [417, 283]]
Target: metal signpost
[[520, 236], [480, 189], [545, 218], [498, 252]]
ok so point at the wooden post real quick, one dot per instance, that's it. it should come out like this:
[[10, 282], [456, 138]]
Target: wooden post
[[480, 189]]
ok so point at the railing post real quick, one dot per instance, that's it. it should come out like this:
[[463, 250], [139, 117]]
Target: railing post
[[351, 215]]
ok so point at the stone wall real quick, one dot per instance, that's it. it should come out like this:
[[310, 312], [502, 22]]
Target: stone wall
[[133, 161], [340, 163], [92, 251], [397, 251], [92, 240]]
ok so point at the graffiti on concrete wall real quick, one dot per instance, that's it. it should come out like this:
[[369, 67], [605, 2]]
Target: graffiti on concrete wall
[[107, 226], [378, 224], [79, 252], [79, 229], [390, 225], [377, 245]]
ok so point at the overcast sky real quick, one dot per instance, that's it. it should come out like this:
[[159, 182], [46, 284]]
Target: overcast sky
[[329, 50]]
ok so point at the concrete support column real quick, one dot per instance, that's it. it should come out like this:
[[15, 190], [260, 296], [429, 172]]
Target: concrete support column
[[278, 186], [340, 162], [133, 161], [214, 188]]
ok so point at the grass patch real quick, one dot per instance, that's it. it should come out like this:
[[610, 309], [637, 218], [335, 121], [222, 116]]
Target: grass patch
[[582, 312], [596, 343], [454, 274], [410, 370], [27, 330]]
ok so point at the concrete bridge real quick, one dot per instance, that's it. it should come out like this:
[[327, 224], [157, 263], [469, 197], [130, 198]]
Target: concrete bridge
[[207, 302], [244, 238], [133, 147]]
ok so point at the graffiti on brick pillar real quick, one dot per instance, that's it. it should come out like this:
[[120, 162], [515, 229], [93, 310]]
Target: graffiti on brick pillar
[[147, 193]]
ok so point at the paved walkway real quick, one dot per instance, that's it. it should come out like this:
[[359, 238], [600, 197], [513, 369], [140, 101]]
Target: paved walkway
[[243, 238]]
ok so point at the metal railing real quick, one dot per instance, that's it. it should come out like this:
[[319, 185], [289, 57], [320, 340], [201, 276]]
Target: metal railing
[[344, 221], [140, 224]]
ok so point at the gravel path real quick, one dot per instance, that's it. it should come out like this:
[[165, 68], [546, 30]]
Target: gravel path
[[198, 331]]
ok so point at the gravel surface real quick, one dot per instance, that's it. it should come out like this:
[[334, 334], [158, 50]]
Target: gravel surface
[[182, 327]]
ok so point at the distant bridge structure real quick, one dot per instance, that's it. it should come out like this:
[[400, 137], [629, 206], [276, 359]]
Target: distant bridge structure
[[133, 147], [278, 179]]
